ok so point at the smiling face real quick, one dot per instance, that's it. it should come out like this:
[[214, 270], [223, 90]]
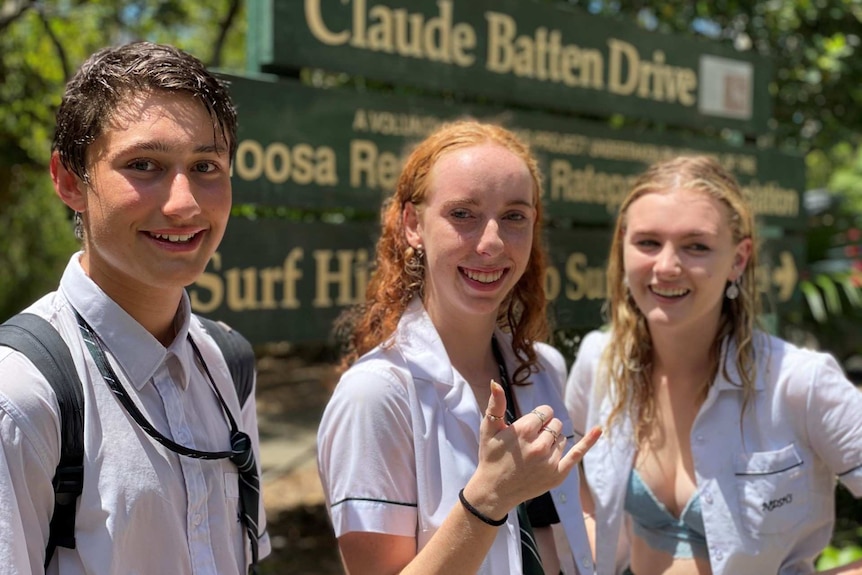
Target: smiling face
[[678, 255], [157, 199], [476, 228]]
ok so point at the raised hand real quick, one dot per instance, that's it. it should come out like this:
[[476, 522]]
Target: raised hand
[[522, 460]]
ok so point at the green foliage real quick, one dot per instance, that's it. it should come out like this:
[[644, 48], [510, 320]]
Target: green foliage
[[833, 557], [41, 45], [36, 242], [814, 46]]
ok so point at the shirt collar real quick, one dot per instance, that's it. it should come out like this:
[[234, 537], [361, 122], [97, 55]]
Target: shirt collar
[[728, 361], [134, 349]]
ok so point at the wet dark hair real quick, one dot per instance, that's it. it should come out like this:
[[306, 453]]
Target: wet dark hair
[[112, 74]]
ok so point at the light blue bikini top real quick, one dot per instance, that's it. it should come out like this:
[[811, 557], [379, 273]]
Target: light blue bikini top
[[684, 537]]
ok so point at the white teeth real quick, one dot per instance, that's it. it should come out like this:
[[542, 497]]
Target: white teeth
[[484, 277], [174, 237], [669, 292]]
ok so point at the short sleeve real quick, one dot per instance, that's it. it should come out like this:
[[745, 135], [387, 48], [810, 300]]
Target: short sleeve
[[834, 423], [581, 378], [366, 456]]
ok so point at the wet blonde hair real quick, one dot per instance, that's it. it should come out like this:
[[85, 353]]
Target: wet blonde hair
[[399, 273], [627, 360]]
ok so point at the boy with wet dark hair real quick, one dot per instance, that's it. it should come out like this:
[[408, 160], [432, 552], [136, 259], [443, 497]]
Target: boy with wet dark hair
[[142, 154]]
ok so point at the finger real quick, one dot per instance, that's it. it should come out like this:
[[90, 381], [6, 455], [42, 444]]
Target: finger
[[537, 419], [577, 452], [495, 415], [551, 433]]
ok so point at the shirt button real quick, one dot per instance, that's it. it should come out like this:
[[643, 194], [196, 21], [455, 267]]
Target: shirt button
[[563, 498], [699, 438], [719, 555], [197, 519], [708, 498], [586, 562]]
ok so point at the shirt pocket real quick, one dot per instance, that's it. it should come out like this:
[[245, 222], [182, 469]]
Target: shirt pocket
[[773, 490]]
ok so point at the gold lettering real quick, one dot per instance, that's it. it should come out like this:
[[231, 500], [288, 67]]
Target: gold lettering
[[241, 289], [371, 168], [552, 283], [291, 275], [620, 51], [501, 32], [211, 282], [245, 169], [314, 20], [341, 276], [360, 121], [586, 282]]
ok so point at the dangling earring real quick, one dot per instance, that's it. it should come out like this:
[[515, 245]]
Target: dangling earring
[[414, 268], [79, 227], [732, 291]]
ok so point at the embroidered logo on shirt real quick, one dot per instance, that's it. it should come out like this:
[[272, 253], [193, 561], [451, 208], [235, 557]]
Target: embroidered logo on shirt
[[776, 503]]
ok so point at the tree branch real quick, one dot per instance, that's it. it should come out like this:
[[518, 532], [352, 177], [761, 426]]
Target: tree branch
[[224, 28], [11, 10]]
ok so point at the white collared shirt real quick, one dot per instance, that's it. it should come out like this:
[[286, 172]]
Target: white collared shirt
[[766, 483], [144, 509], [400, 437]]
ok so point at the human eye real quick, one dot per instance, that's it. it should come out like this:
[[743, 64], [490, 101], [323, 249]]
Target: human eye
[[205, 167], [142, 165], [646, 243], [460, 213], [515, 216], [699, 247]]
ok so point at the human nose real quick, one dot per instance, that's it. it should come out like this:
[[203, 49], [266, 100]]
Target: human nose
[[490, 241], [181, 202], [667, 262]]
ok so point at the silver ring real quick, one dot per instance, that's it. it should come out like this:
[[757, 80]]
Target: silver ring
[[552, 432], [492, 417], [542, 417]]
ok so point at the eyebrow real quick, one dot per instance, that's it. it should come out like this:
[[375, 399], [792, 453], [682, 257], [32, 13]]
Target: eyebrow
[[164, 147], [685, 235], [473, 202]]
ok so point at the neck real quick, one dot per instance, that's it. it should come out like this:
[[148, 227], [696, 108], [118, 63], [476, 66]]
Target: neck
[[153, 308], [468, 343], [683, 355]]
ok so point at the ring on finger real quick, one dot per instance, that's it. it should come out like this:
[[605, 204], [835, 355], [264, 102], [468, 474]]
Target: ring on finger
[[556, 434], [492, 417], [542, 417]]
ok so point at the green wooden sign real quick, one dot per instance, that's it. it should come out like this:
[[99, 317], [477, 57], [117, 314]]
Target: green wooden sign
[[519, 51], [326, 149], [278, 280]]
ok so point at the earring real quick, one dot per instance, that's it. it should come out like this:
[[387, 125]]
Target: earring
[[79, 227], [414, 269], [732, 291]]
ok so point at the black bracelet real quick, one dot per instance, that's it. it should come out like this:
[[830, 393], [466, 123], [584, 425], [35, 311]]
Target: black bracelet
[[478, 514]]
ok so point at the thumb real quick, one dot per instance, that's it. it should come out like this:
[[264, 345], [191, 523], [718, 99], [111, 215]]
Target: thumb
[[495, 415]]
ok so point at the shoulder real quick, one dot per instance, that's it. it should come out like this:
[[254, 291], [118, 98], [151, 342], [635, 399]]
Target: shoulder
[[593, 344], [783, 363], [380, 374], [550, 357]]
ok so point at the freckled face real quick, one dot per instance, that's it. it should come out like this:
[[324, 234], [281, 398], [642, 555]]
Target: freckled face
[[679, 254], [476, 227], [159, 195]]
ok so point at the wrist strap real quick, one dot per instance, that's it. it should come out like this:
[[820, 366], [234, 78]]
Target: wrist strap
[[478, 514]]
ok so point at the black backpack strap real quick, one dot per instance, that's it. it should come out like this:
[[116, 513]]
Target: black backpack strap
[[238, 354], [42, 345]]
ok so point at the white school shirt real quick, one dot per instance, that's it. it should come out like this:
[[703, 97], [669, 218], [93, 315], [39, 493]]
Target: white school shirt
[[767, 485], [400, 437], [144, 509]]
